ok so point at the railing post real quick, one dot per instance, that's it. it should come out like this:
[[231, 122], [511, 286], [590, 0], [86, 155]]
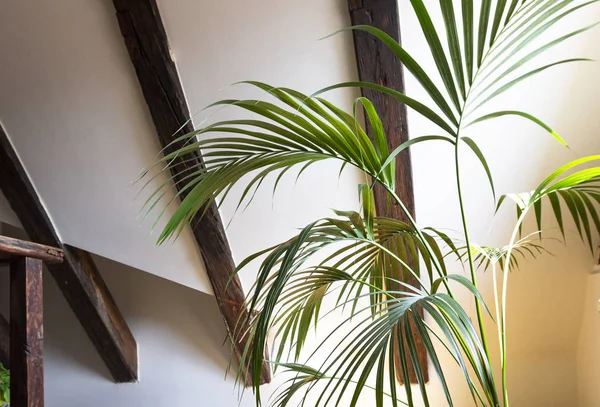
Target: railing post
[[26, 333]]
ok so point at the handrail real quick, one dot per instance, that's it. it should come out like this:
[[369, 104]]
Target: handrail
[[22, 248], [27, 317]]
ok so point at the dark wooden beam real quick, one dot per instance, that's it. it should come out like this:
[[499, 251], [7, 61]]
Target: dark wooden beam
[[26, 333], [4, 342], [10, 247], [148, 47], [377, 64], [77, 277]]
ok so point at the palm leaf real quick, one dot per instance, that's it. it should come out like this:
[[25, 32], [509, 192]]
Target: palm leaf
[[576, 190], [301, 289], [521, 114], [486, 256]]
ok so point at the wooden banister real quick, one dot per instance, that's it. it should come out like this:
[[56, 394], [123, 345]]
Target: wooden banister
[[15, 248], [27, 317]]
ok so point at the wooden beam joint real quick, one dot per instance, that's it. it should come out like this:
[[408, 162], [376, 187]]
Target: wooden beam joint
[[77, 277]]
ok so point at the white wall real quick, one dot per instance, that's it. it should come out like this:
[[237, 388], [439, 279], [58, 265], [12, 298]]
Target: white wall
[[545, 297], [180, 337], [72, 106], [217, 43], [266, 41], [178, 330]]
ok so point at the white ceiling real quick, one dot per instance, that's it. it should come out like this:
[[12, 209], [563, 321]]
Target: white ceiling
[[71, 103], [72, 106]]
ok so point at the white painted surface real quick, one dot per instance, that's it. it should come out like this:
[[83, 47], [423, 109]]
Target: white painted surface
[[70, 101], [180, 337], [217, 43]]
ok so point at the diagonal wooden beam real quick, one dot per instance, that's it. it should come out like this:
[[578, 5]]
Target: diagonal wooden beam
[[377, 64], [148, 46], [77, 277]]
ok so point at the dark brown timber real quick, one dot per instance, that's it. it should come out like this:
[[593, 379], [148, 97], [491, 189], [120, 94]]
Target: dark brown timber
[[4, 342], [377, 64], [10, 247], [148, 47], [77, 277], [26, 333]]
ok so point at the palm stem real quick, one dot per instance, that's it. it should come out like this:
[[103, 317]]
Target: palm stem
[[469, 254], [426, 244], [463, 114], [497, 303], [503, 312]]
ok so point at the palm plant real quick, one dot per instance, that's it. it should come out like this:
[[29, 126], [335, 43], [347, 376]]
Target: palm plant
[[368, 257], [4, 386]]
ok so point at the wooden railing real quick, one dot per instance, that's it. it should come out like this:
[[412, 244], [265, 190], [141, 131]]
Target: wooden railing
[[27, 317]]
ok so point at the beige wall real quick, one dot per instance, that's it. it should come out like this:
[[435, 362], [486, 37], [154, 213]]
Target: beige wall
[[545, 297], [588, 356]]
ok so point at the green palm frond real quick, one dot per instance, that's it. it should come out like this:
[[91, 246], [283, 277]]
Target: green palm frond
[[290, 294], [579, 192], [486, 256], [369, 349], [310, 130], [368, 257], [369, 246]]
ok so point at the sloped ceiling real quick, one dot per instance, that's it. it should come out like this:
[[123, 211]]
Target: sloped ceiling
[[71, 104], [218, 43]]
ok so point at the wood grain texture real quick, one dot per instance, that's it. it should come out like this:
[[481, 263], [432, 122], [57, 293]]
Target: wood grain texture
[[10, 247], [4, 342], [377, 64], [148, 47], [27, 333], [77, 277]]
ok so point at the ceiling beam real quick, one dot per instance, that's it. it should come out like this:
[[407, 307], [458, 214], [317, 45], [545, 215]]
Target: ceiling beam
[[378, 64], [77, 277], [146, 40]]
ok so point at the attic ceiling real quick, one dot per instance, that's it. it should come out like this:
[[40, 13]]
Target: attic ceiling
[[72, 107], [73, 110]]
